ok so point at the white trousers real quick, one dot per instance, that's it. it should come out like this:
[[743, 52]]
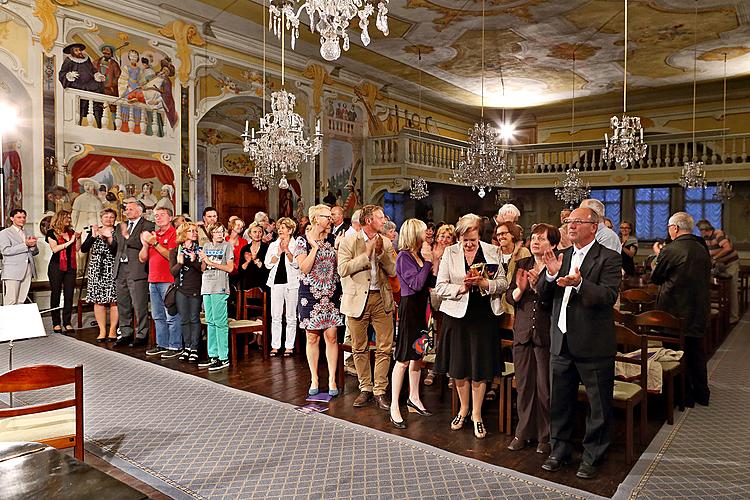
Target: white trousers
[[16, 291], [283, 295]]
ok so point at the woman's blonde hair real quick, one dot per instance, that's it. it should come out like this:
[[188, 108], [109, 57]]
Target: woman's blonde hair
[[58, 225], [411, 235], [182, 231], [288, 223], [234, 222], [315, 211], [446, 228], [468, 222], [215, 227]]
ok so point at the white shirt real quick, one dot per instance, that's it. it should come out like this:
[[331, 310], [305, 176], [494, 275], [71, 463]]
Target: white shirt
[[351, 231], [579, 254], [374, 284]]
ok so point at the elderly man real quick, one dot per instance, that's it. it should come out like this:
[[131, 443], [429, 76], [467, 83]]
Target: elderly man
[[723, 253], [355, 226], [131, 276], [18, 251], [365, 262], [683, 269], [582, 283], [604, 235], [338, 224]]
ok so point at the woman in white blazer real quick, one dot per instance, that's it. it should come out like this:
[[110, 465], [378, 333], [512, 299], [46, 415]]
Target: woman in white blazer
[[470, 346], [283, 280]]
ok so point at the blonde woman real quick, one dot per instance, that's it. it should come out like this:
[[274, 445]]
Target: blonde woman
[[471, 301], [64, 242], [283, 280], [251, 269], [185, 265], [319, 294], [414, 272]]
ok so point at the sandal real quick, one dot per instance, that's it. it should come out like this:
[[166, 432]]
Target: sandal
[[274, 353], [491, 394], [458, 421], [289, 353], [429, 379], [57, 329]]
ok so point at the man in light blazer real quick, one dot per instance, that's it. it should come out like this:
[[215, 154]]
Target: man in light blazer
[[583, 282], [131, 276], [18, 252], [365, 261]]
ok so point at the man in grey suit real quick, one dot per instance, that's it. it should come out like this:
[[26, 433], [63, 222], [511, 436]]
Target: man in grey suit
[[131, 276], [582, 282], [18, 252]]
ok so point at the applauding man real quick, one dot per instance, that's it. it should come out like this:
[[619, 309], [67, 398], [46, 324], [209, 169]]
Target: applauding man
[[18, 251]]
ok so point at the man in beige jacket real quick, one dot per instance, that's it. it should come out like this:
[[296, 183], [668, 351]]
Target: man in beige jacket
[[365, 261]]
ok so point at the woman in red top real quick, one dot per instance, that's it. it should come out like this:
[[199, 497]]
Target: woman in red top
[[61, 271], [236, 226]]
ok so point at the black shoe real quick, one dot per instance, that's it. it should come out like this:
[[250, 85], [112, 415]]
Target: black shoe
[[123, 341], [171, 353], [184, 355], [587, 471], [157, 351], [193, 358], [207, 363], [138, 342], [101, 340], [218, 364], [553, 464], [398, 425], [415, 409]]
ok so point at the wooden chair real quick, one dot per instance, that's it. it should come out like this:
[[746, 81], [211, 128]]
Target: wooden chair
[[251, 309], [636, 300], [58, 424], [629, 393], [663, 327], [625, 318]]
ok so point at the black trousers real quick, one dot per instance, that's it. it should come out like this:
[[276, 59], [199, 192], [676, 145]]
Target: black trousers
[[598, 376], [132, 296], [696, 373], [61, 282], [189, 308]]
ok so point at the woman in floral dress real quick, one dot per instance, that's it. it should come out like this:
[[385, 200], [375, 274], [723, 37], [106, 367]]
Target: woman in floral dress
[[100, 288], [319, 294]]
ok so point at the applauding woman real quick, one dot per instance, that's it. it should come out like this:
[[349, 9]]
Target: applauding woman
[[186, 268], [61, 271], [283, 280], [319, 294], [414, 270], [252, 271], [100, 288]]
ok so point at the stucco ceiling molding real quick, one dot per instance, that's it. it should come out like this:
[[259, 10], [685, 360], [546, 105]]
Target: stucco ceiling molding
[[13, 63]]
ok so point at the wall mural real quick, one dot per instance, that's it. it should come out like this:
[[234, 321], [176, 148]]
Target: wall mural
[[344, 181]]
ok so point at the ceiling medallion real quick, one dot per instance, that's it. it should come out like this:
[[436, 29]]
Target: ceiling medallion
[[330, 18], [419, 189], [626, 145], [573, 190]]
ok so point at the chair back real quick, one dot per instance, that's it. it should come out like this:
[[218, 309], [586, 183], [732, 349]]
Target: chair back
[[252, 304], [624, 318], [636, 300], [629, 341], [660, 325]]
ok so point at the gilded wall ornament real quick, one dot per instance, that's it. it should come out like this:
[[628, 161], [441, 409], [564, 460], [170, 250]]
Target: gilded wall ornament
[[45, 10], [183, 34]]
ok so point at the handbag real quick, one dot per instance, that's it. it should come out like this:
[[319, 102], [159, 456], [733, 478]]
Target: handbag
[[170, 299]]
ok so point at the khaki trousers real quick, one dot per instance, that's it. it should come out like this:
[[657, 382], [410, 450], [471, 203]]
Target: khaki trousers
[[382, 322], [15, 291]]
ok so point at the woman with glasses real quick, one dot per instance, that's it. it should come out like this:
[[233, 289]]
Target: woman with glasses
[[629, 247], [186, 268], [283, 280]]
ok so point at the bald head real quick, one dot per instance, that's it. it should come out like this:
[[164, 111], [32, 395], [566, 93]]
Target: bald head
[[582, 226]]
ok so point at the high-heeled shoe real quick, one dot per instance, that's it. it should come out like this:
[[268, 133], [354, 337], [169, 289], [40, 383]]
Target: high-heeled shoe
[[479, 431], [458, 421], [333, 392], [397, 425], [100, 340], [416, 409], [312, 391]]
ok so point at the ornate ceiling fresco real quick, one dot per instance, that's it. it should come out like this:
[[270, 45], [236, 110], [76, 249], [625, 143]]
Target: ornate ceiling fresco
[[531, 42]]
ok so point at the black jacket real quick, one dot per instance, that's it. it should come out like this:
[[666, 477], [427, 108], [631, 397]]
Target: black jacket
[[683, 270], [591, 327]]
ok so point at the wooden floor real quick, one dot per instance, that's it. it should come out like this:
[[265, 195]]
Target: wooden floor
[[287, 379]]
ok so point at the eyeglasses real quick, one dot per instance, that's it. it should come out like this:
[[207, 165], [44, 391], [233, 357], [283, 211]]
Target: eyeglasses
[[578, 221], [501, 233]]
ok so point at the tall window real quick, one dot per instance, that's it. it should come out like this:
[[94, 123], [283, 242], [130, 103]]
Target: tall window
[[611, 199], [700, 203], [651, 212], [393, 207]]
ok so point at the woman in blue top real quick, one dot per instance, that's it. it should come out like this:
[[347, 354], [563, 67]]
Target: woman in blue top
[[414, 272]]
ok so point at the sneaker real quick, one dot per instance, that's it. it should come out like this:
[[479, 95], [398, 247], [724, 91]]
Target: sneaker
[[218, 365], [156, 351], [207, 363], [193, 357], [184, 355], [171, 353]]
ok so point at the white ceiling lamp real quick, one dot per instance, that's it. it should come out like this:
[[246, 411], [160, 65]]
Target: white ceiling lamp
[[330, 18], [626, 145]]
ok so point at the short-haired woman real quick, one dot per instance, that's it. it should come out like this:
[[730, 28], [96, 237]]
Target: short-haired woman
[[629, 247], [319, 294], [100, 285], [64, 242], [251, 269], [187, 270], [283, 280], [414, 272], [217, 261], [470, 348], [531, 340]]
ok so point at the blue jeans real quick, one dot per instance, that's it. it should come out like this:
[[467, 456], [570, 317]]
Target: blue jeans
[[168, 328]]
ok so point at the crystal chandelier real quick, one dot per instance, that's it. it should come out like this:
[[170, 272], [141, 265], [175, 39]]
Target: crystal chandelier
[[724, 191], [693, 173], [330, 18], [483, 164], [573, 190], [626, 145], [724, 188], [419, 189], [280, 145]]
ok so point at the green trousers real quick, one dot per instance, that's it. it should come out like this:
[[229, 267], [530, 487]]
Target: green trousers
[[215, 306]]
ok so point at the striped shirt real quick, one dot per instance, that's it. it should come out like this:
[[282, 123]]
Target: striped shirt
[[714, 242]]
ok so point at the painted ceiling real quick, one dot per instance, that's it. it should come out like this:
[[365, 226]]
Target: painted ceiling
[[529, 46]]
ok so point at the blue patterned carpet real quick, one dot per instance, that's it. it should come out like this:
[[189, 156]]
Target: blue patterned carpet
[[193, 438]]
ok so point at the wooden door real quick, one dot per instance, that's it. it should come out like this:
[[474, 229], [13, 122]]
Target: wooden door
[[236, 196]]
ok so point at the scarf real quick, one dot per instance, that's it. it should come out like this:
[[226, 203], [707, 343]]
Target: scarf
[[67, 258]]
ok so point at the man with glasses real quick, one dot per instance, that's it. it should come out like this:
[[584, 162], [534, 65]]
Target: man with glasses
[[604, 235], [582, 282], [683, 269]]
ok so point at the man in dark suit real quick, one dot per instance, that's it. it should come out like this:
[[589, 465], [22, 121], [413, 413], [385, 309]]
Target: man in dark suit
[[131, 276], [338, 224], [583, 282]]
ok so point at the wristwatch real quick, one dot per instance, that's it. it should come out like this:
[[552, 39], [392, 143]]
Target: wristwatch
[[156, 244]]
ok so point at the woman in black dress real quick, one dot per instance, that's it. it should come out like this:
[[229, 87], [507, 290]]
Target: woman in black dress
[[100, 289], [471, 288], [61, 270], [251, 269], [414, 272]]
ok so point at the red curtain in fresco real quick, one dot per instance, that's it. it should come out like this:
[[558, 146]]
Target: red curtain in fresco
[[90, 165]]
